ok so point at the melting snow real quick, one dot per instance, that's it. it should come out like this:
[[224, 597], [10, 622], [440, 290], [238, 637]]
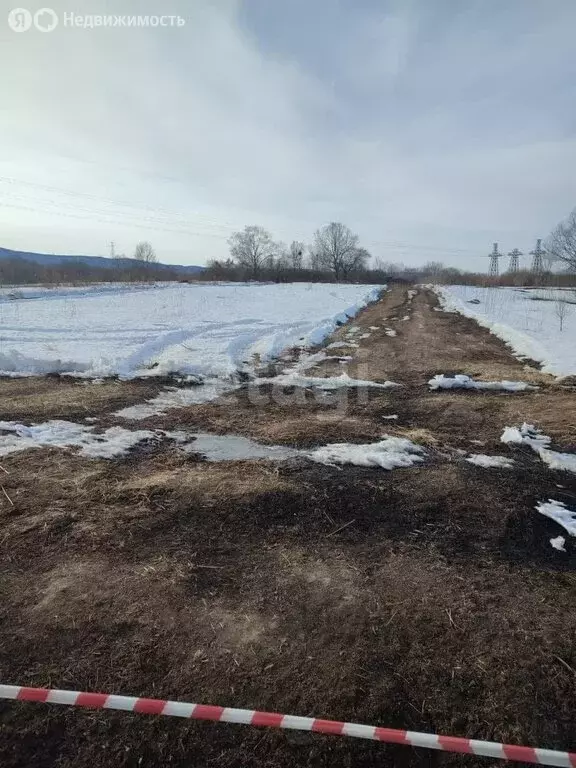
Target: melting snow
[[461, 381], [527, 434], [333, 382], [482, 460], [388, 453], [559, 512], [174, 397], [558, 543], [115, 441], [341, 344], [390, 332]]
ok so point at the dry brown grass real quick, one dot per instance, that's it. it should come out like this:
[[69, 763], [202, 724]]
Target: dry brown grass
[[316, 429], [489, 370], [462, 416], [417, 434], [212, 481], [52, 397]]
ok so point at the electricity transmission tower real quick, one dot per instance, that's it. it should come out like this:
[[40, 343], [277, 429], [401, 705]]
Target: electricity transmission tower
[[537, 261], [112, 250], [514, 260], [494, 256]]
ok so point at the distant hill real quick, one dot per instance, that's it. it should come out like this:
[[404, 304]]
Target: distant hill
[[99, 262]]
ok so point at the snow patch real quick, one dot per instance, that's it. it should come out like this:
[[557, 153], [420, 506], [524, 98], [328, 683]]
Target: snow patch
[[341, 344], [558, 543], [482, 460], [390, 332], [559, 512], [461, 381], [175, 397], [307, 361], [115, 441], [334, 382], [527, 434], [388, 453]]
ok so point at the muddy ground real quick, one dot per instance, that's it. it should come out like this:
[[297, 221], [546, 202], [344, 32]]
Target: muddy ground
[[426, 598]]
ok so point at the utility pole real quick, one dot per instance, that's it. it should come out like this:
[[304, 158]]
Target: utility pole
[[494, 256], [514, 260], [537, 261]]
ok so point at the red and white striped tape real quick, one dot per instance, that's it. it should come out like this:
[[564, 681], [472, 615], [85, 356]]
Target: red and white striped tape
[[275, 720]]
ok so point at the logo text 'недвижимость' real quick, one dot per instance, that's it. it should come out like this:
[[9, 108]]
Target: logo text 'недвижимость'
[[46, 20]]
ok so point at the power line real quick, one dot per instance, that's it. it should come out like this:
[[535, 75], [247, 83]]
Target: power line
[[165, 220], [219, 225]]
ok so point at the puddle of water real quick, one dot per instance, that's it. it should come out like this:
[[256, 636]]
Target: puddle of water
[[236, 448]]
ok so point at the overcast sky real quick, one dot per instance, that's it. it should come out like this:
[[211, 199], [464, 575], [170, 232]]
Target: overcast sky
[[432, 128]]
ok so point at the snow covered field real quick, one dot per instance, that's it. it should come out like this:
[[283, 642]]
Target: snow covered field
[[206, 330], [526, 318], [16, 292]]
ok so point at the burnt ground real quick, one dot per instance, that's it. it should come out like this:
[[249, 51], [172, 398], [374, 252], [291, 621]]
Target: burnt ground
[[440, 606]]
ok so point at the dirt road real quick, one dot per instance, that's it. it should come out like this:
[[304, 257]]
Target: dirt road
[[426, 598]]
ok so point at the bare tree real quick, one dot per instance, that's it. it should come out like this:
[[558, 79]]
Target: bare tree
[[253, 249], [296, 254], [561, 244], [337, 249], [144, 252], [358, 261], [313, 260], [433, 268], [561, 310]]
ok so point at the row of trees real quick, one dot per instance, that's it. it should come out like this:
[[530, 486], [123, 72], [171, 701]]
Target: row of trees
[[255, 255], [18, 271], [143, 265], [335, 254]]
